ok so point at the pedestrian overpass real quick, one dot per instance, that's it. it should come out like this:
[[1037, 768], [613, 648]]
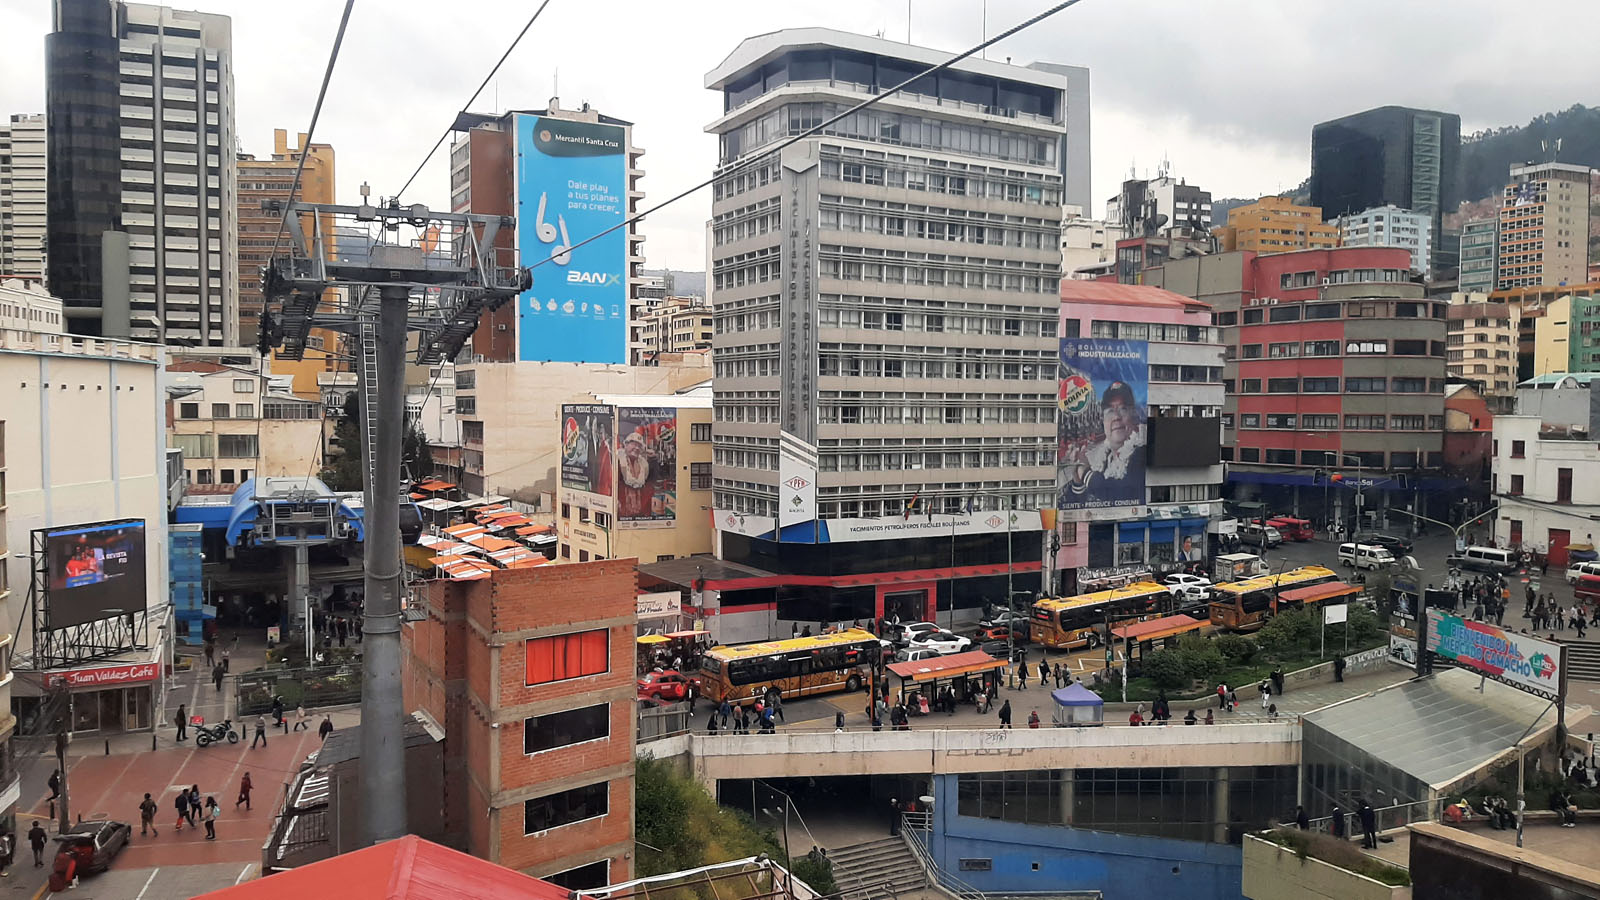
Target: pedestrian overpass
[[792, 753]]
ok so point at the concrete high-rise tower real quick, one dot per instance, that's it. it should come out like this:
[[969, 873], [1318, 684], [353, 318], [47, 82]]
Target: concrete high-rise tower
[[22, 197], [142, 221]]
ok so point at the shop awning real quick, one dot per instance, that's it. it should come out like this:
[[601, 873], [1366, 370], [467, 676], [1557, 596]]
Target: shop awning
[[654, 639], [437, 504], [1156, 629], [956, 664], [464, 568], [1319, 592]]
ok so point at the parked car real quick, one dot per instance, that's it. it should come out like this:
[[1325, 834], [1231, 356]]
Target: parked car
[[1006, 617], [1002, 632], [1258, 535], [1188, 588], [942, 641], [670, 685], [95, 844], [1396, 545], [1578, 570], [913, 654], [905, 632], [997, 649]]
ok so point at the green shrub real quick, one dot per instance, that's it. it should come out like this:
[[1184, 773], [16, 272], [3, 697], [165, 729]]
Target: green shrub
[[1337, 852], [1166, 667], [1236, 649], [1202, 661], [816, 872]]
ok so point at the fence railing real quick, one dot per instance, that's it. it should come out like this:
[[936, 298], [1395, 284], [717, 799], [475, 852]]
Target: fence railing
[[311, 687], [916, 828], [664, 721], [1387, 818]]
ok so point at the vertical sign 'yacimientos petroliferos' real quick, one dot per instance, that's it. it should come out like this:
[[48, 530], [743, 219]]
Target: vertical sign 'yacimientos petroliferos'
[[572, 184]]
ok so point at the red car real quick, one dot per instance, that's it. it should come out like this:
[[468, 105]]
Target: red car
[[669, 685]]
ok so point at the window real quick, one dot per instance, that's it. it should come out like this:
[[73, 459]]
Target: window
[[1518, 449], [1280, 457], [243, 386], [1364, 423], [1252, 386], [1364, 385], [1319, 423], [1251, 351], [700, 432], [1280, 420], [1322, 348], [1366, 347], [1283, 351], [566, 510], [700, 476], [1253, 316], [220, 410], [1411, 348], [1319, 385], [189, 411], [194, 446], [1322, 311], [1284, 314], [226, 476], [566, 807], [1516, 485], [1563, 485], [602, 520], [1283, 385], [236, 446], [1406, 423], [583, 514], [565, 728], [203, 476], [1249, 455], [564, 656], [1250, 420], [248, 410]]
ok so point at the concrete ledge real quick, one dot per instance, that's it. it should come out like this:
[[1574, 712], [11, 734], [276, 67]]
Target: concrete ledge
[[1272, 872]]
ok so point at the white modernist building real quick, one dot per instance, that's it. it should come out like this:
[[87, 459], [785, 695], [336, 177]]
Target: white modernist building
[[1390, 226], [1547, 468]]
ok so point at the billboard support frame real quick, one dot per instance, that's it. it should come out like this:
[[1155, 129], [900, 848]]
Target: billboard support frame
[[76, 644]]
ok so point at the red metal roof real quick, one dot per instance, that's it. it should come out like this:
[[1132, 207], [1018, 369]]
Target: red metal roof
[[946, 666], [401, 869], [1151, 629], [1125, 294], [1319, 592]]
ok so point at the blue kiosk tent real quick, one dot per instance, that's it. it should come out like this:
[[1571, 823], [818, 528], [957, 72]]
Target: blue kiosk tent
[[1077, 705]]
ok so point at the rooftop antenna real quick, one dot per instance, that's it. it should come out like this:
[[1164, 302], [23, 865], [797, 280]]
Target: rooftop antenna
[[908, 21], [986, 27]]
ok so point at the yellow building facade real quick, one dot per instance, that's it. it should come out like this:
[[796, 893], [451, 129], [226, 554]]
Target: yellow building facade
[[1277, 225]]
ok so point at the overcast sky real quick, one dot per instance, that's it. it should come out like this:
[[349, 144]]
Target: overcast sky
[[1226, 89]]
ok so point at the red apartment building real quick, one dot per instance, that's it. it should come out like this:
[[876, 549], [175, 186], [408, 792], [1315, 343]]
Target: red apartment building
[[530, 672], [1335, 365]]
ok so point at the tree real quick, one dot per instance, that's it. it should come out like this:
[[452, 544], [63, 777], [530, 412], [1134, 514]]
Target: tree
[[1167, 668], [1201, 658], [343, 470]]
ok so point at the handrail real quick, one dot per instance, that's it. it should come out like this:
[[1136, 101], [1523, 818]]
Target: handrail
[[911, 824], [1433, 812]]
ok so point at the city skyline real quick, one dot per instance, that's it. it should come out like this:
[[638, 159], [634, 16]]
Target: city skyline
[[1248, 140]]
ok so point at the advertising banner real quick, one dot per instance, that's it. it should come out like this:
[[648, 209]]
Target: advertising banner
[[660, 605], [1522, 661], [95, 572], [935, 526], [647, 466], [1102, 402], [588, 449], [797, 480], [572, 184]]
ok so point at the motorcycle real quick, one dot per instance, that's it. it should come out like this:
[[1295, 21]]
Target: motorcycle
[[209, 734]]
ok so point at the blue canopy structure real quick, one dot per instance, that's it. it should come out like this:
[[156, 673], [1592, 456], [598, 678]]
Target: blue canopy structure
[[1077, 705]]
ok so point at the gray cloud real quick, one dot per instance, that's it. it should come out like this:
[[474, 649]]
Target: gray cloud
[[1227, 89]]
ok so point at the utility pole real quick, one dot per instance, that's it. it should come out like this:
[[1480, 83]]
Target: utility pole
[[399, 287], [61, 765]]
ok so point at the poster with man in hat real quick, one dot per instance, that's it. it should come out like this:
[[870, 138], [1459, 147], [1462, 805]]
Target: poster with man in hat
[[1103, 396]]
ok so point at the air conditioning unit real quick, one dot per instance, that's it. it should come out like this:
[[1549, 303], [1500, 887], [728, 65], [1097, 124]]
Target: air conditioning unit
[[1326, 282]]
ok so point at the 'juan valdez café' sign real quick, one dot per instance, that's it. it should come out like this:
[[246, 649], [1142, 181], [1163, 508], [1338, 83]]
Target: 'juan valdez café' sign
[[107, 676]]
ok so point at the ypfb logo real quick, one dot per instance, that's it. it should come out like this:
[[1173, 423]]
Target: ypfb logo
[[1542, 666], [1076, 394], [796, 483]]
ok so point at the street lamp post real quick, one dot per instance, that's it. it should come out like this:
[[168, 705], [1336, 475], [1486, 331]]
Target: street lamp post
[[1361, 487]]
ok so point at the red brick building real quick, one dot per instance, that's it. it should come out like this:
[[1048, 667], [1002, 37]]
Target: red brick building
[[1468, 435], [531, 674]]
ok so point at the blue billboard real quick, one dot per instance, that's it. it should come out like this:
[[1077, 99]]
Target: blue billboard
[[572, 184], [1102, 404]]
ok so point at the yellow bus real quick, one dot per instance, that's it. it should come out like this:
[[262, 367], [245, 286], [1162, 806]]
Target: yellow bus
[[1246, 605], [798, 667], [1071, 622]]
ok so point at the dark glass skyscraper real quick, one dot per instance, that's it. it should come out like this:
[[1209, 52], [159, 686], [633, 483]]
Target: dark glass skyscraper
[[1392, 154], [83, 141]]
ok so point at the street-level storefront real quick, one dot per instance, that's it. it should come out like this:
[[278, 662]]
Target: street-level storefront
[[1158, 545], [110, 698]]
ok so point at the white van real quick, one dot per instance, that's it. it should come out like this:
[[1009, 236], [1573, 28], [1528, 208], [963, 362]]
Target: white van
[[1578, 570], [1484, 559], [1365, 556]]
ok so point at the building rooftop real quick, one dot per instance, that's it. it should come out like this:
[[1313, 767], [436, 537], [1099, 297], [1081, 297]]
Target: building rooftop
[[763, 48], [1559, 380], [1126, 295]]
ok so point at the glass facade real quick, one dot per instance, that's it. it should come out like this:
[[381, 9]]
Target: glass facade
[[884, 127], [83, 140], [1338, 772], [1190, 803]]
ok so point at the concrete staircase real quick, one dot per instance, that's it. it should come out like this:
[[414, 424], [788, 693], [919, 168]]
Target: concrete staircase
[[876, 870], [1583, 660]]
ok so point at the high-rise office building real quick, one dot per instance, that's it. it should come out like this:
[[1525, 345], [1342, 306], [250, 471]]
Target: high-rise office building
[[1390, 226], [270, 179], [142, 227], [886, 300], [1389, 155], [22, 197], [1276, 225], [1480, 242], [1544, 226], [1154, 207]]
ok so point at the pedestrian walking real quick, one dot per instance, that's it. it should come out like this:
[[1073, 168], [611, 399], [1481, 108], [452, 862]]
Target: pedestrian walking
[[211, 652], [777, 706], [1209, 719], [194, 804], [147, 816], [1033, 719], [838, 721], [245, 787], [1277, 682], [1222, 696], [1005, 715], [1044, 673], [326, 728], [54, 784], [217, 674], [212, 808], [1301, 820], [227, 655], [182, 805], [1266, 693], [725, 710], [182, 721], [277, 714], [1338, 668], [300, 718], [36, 839], [261, 732], [1369, 825], [1338, 824], [711, 723]]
